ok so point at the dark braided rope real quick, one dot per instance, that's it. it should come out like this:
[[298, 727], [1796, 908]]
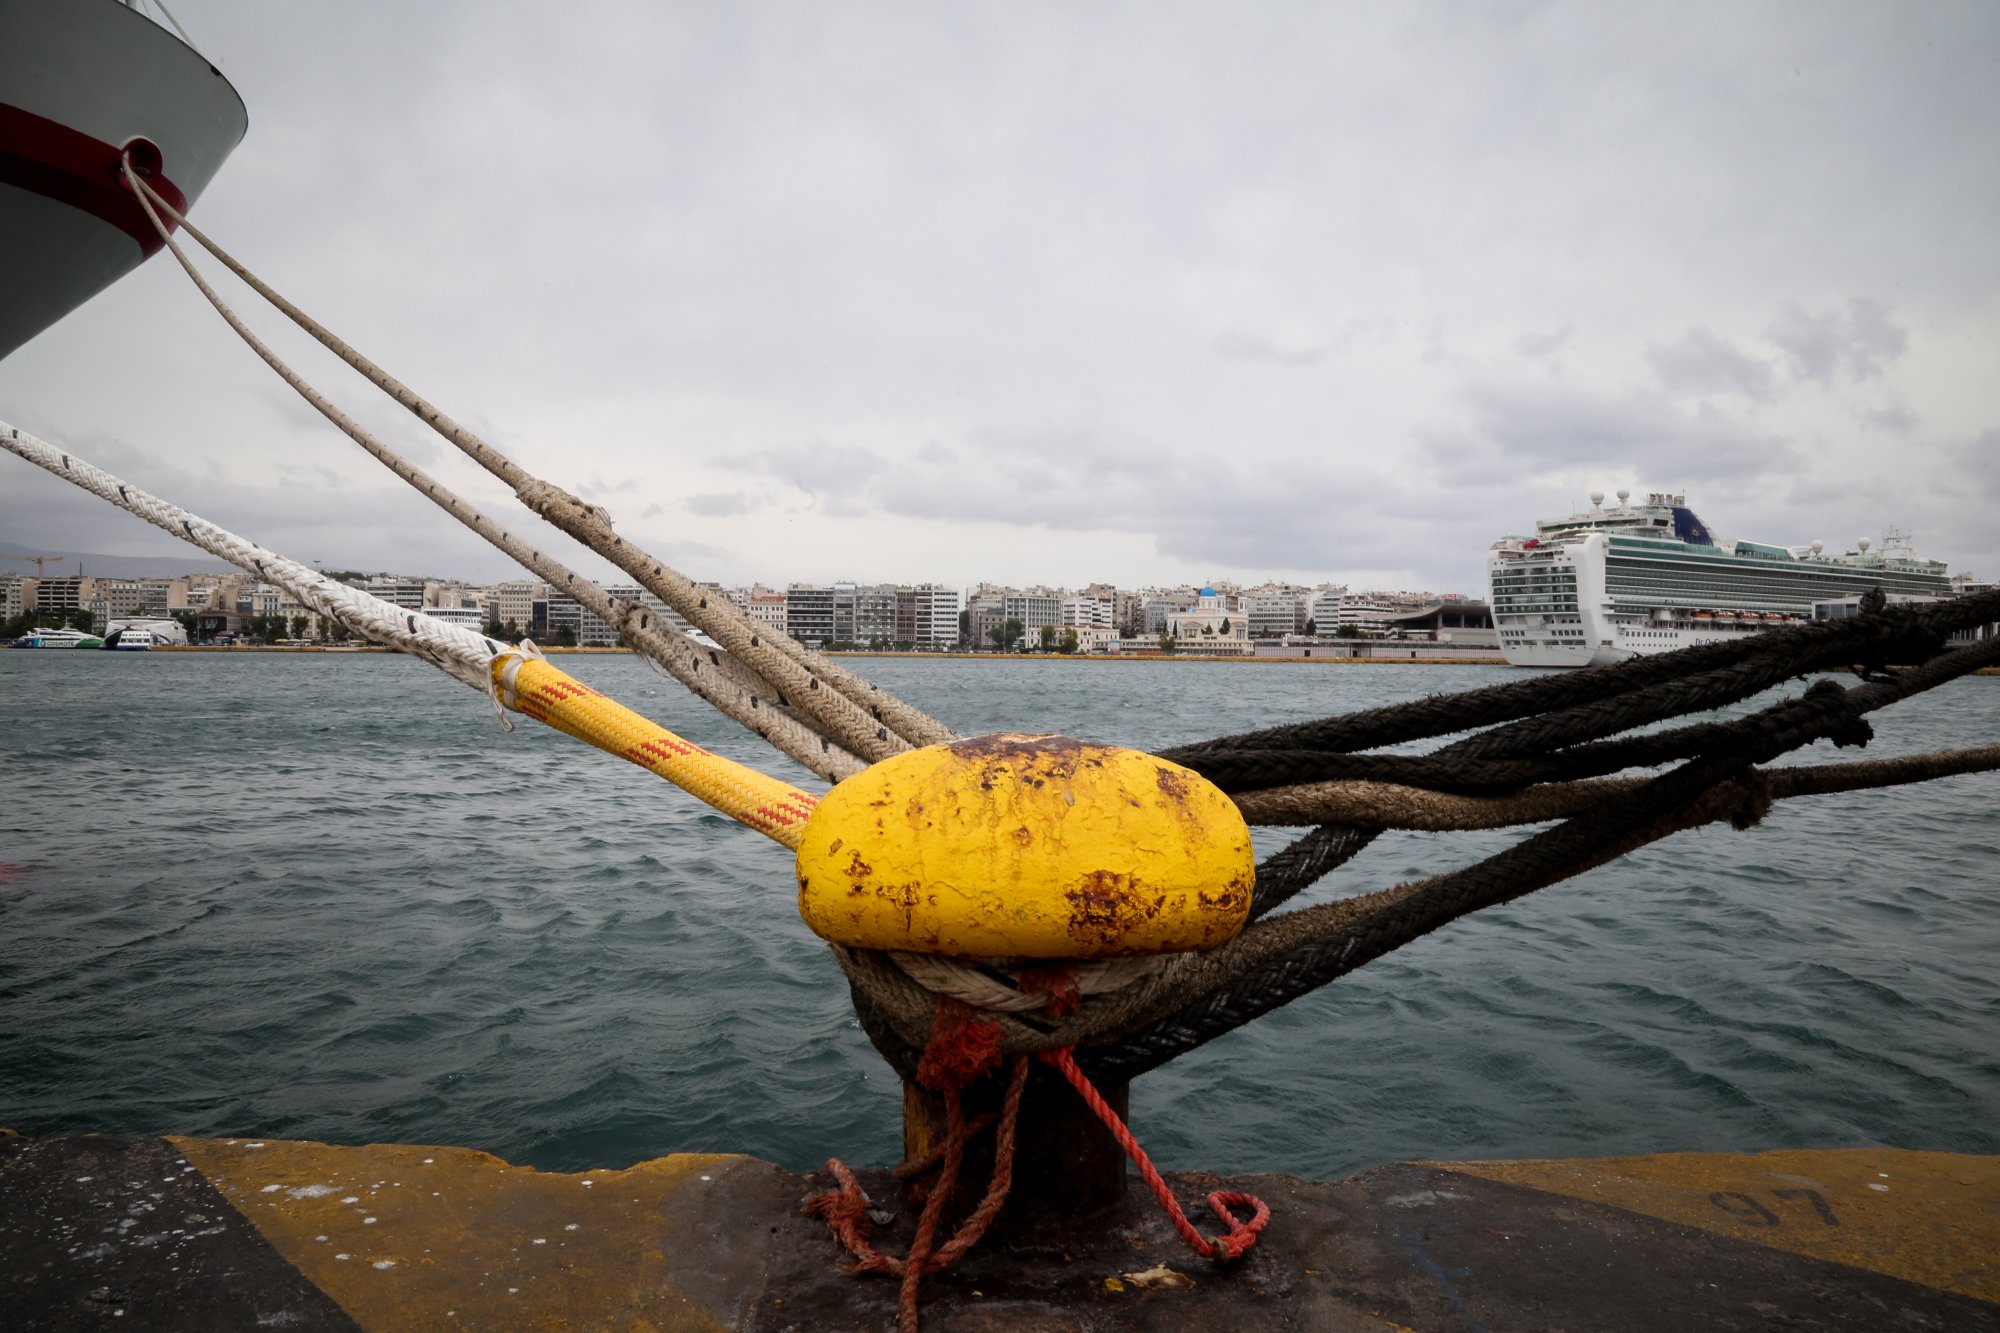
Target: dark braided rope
[[1258, 770], [1284, 874], [1898, 636], [1785, 653], [1315, 958]]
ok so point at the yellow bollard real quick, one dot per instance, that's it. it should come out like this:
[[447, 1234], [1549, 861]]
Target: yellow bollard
[[1016, 847]]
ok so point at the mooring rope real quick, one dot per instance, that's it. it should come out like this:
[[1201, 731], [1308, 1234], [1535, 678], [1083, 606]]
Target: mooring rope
[[733, 690], [1196, 997], [854, 711], [517, 677]]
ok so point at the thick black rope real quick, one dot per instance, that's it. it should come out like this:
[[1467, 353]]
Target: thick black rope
[[1827, 710], [1284, 874], [1554, 706]]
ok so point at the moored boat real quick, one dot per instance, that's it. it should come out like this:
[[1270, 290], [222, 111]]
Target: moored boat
[[83, 83], [58, 638]]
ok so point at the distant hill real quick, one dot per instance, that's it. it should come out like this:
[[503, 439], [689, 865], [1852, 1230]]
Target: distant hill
[[111, 566]]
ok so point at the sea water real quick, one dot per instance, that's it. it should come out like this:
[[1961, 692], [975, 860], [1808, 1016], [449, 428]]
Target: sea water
[[326, 896]]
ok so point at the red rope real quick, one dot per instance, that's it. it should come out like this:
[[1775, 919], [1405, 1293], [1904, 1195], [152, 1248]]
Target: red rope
[[1230, 1245], [963, 1048], [960, 1050]]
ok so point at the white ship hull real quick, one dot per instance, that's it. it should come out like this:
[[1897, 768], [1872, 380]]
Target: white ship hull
[[80, 81], [1605, 586]]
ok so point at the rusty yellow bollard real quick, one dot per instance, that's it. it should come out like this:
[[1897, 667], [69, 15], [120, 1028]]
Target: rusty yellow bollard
[[1017, 849], [1026, 847]]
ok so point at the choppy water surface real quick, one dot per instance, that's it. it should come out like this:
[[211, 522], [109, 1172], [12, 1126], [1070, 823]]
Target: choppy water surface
[[326, 897]]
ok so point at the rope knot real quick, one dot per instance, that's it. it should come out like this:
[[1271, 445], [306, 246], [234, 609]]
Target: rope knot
[[962, 1048], [1057, 983]]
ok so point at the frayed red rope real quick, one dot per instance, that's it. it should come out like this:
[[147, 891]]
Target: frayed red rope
[[1231, 1244], [960, 1050]]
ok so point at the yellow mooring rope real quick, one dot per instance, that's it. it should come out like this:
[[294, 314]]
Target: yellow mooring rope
[[531, 687], [517, 678]]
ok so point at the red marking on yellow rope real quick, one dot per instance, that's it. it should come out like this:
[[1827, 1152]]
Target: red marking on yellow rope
[[772, 807]]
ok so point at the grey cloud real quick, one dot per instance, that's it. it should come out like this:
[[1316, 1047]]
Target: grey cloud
[[1205, 508], [1251, 347], [1532, 428], [720, 504], [1896, 417], [831, 472], [1830, 345], [1543, 346], [1701, 362], [1979, 462]]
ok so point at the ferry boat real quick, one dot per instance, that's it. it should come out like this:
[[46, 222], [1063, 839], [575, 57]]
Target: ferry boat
[[58, 638], [83, 83], [1604, 584]]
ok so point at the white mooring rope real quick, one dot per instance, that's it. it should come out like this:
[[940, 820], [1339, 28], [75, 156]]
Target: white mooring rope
[[459, 652]]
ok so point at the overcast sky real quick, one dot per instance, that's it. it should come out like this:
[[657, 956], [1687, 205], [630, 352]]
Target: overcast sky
[[1075, 291]]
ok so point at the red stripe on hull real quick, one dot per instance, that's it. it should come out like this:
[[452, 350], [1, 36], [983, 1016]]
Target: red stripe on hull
[[48, 158]]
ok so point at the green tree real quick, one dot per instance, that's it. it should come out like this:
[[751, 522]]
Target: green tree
[[1348, 632], [1048, 637], [1167, 642], [564, 638], [83, 620], [511, 632], [965, 627], [1069, 642], [300, 623], [1225, 627], [1312, 626]]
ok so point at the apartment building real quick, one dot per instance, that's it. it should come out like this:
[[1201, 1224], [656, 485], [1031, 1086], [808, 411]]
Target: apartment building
[[927, 615]]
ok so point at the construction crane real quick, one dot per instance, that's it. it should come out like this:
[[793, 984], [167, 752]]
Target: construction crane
[[41, 561]]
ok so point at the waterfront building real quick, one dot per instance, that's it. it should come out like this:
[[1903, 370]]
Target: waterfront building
[[809, 613], [408, 594], [1210, 626], [514, 603], [766, 608], [13, 596], [1087, 610], [1271, 613], [874, 616], [62, 594], [1162, 605], [1033, 609], [985, 612], [927, 616]]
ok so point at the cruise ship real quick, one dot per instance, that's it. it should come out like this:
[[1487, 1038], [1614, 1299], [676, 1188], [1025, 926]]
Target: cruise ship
[[1606, 584]]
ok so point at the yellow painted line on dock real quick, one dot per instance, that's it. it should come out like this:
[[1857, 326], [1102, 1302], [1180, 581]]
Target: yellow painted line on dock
[[1926, 1217], [418, 1237]]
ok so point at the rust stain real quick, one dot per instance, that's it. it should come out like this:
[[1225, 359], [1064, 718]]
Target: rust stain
[[857, 868], [1107, 906], [1022, 836], [1173, 785]]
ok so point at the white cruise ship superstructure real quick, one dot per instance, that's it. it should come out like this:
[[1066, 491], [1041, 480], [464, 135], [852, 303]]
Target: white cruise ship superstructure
[[1606, 584]]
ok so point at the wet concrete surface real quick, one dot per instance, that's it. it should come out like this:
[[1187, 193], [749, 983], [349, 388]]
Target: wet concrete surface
[[240, 1234]]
